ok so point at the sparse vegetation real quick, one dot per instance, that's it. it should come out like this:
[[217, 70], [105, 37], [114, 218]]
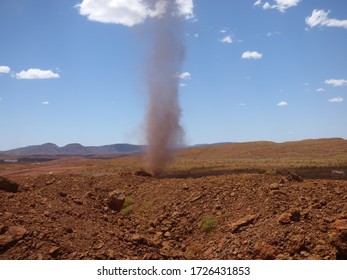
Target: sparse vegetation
[[148, 204], [128, 201], [208, 223], [127, 210], [128, 206], [271, 172]]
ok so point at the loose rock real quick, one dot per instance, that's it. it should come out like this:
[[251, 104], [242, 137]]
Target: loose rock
[[8, 185], [54, 251], [291, 176], [265, 251], [285, 218], [116, 200], [10, 235], [236, 227]]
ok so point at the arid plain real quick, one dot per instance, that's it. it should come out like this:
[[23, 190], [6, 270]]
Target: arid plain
[[257, 200]]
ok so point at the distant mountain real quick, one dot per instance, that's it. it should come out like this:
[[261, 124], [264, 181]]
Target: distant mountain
[[44, 149], [213, 144], [75, 149], [258, 149]]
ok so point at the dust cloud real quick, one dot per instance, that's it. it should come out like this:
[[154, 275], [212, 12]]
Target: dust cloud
[[163, 130]]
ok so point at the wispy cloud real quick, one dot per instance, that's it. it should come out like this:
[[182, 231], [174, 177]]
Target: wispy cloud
[[321, 18], [227, 40], [5, 69], [241, 104], [45, 102], [282, 104], [130, 12], [34, 73], [267, 6], [185, 76], [281, 5], [269, 34], [251, 55], [320, 89], [337, 99], [336, 82]]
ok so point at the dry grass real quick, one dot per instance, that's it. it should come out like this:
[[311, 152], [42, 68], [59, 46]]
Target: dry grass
[[262, 157], [314, 156]]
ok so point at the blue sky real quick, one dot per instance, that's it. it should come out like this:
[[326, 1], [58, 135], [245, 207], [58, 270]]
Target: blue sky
[[74, 71]]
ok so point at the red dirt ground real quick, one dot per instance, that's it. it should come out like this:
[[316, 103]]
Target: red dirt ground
[[62, 213]]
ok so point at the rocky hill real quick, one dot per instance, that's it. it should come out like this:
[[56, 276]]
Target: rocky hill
[[74, 149]]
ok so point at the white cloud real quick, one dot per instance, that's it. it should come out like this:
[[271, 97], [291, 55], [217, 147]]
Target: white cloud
[[185, 8], [185, 76], [251, 55], [4, 69], [269, 34], [320, 89], [320, 18], [0, 98], [226, 40], [257, 3], [282, 104], [337, 99], [34, 73], [183, 84], [223, 30], [130, 12], [45, 102], [281, 5], [241, 104], [336, 83]]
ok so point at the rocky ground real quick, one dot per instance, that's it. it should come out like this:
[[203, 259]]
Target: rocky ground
[[243, 216]]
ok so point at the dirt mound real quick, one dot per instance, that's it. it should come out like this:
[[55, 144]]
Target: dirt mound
[[245, 216]]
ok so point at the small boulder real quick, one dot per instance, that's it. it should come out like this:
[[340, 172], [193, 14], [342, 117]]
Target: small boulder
[[285, 218], [137, 238], [63, 194], [242, 223], [10, 235], [293, 216], [339, 241], [54, 251], [8, 185], [265, 251], [116, 200], [291, 176]]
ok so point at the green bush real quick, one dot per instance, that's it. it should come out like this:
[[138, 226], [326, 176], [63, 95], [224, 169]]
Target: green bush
[[128, 206], [127, 210], [208, 223]]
